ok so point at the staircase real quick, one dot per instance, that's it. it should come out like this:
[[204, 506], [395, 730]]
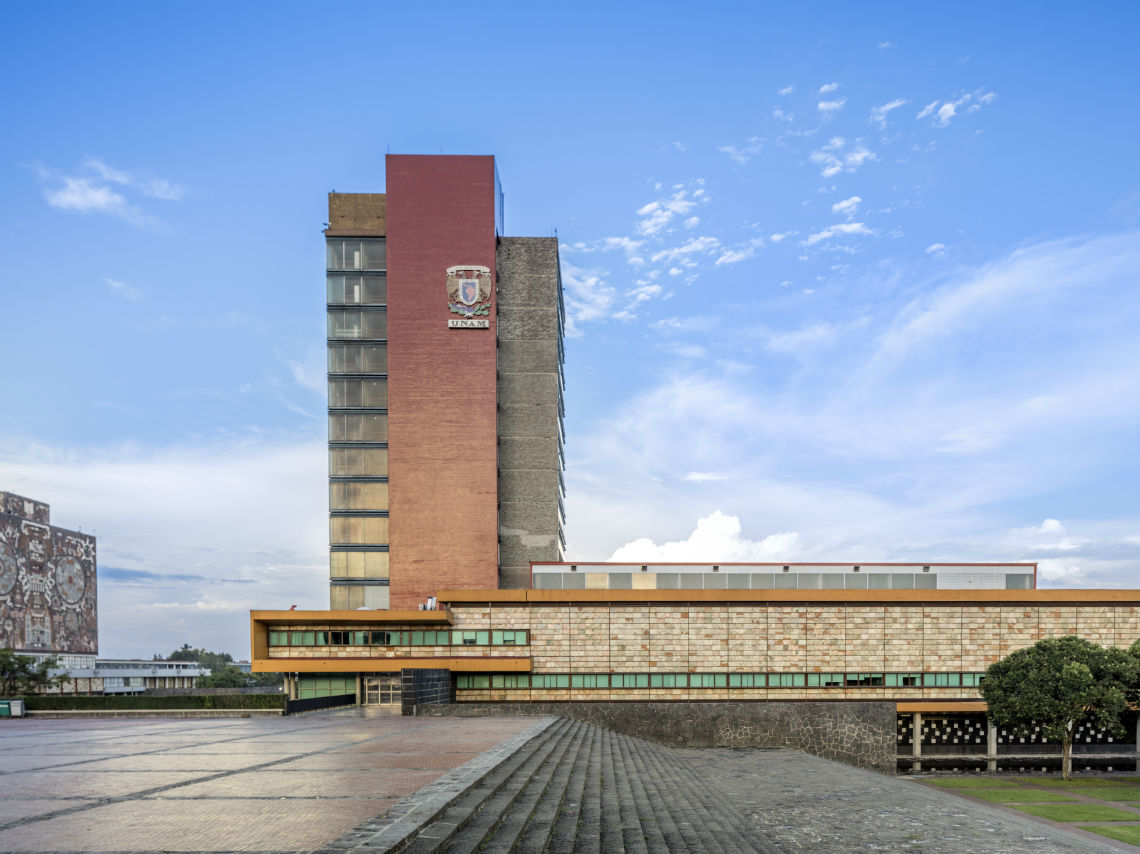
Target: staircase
[[576, 787]]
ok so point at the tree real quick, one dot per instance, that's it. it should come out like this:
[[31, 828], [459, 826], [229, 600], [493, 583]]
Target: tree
[[22, 674], [1057, 684], [224, 677]]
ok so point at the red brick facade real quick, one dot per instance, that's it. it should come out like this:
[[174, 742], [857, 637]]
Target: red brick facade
[[443, 463]]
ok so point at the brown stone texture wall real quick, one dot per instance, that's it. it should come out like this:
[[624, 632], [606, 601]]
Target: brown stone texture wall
[[747, 639], [866, 639], [669, 646], [857, 733], [442, 422], [786, 642], [629, 638], [708, 638]]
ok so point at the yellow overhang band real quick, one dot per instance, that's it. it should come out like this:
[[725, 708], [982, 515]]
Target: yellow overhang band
[[388, 665]]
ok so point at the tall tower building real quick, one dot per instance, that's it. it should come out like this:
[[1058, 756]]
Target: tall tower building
[[445, 388]]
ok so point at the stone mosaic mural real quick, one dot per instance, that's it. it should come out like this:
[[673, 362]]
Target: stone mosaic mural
[[47, 582]]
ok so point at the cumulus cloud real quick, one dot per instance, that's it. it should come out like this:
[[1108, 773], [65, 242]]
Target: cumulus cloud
[[837, 230], [717, 538], [831, 106], [847, 207], [589, 297], [690, 247], [942, 112], [935, 248], [100, 188], [828, 87], [657, 215], [836, 157], [753, 146], [879, 114], [787, 90]]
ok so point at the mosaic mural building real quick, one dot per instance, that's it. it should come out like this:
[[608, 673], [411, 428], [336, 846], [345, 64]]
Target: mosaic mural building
[[48, 602]]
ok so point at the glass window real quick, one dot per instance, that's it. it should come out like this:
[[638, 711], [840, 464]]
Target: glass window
[[355, 254], [831, 580], [358, 530], [358, 496], [358, 565], [1018, 581], [358, 358], [295, 638], [345, 597], [368, 462], [736, 580], [807, 580], [902, 580], [878, 581], [344, 323], [668, 581], [547, 581], [714, 580], [784, 580], [356, 290], [573, 581], [692, 581], [761, 580], [925, 581], [855, 581], [621, 580], [375, 324], [348, 427]]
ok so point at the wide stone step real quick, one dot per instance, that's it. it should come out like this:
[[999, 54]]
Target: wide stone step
[[583, 788]]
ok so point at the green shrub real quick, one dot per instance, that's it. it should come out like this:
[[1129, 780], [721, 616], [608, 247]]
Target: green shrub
[[62, 703]]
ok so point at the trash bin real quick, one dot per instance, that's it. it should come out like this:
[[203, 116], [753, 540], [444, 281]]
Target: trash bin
[[17, 708], [5, 708]]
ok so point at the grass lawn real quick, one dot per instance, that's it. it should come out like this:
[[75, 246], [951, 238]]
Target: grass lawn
[[1077, 812], [1017, 794], [1129, 833], [1076, 782], [1114, 793], [970, 782]]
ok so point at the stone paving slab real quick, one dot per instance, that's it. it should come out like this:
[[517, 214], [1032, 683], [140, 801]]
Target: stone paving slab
[[807, 804], [252, 784]]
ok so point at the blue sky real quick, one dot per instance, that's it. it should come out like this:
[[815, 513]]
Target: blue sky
[[844, 282]]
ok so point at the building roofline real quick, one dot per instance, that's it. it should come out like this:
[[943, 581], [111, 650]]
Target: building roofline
[[822, 597]]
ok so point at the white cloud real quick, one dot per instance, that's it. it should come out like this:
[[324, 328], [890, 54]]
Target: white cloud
[[741, 252], [692, 222], [658, 214], [935, 248], [839, 229], [831, 106], [213, 530], [780, 236], [742, 154], [123, 289], [783, 116], [884, 45], [588, 297], [828, 87], [787, 90], [94, 193], [834, 159], [847, 207], [944, 111], [879, 114], [690, 247], [717, 537]]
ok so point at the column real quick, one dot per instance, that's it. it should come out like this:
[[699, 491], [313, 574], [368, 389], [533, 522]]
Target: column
[[991, 745], [916, 741], [359, 689]]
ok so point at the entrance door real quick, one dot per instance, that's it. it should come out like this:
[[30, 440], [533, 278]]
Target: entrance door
[[382, 690]]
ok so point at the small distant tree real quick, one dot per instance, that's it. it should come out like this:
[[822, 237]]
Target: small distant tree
[[23, 674], [1057, 684], [224, 677]]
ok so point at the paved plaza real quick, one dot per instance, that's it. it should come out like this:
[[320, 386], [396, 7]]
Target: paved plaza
[[234, 784], [328, 781]]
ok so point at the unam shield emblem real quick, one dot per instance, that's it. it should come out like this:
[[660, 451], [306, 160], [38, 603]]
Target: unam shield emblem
[[469, 290]]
